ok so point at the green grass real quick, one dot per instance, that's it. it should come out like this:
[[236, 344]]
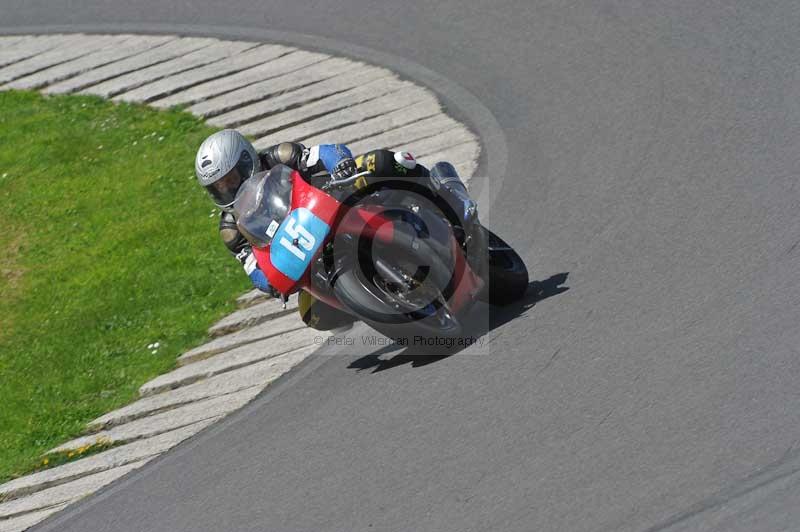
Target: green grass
[[108, 245]]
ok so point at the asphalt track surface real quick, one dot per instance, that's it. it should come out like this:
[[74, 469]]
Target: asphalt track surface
[[652, 155]]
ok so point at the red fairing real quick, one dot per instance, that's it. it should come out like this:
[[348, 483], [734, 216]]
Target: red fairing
[[366, 221], [323, 206], [307, 195], [362, 221]]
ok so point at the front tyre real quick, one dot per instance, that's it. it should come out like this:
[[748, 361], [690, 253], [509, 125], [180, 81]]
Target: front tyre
[[382, 306], [398, 289]]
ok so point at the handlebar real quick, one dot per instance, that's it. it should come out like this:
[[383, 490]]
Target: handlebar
[[335, 183]]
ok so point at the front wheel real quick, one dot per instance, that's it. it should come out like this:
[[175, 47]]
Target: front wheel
[[398, 289], [507, 273], [386, 306]]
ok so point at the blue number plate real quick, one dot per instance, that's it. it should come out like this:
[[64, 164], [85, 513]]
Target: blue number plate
[[296, 242]]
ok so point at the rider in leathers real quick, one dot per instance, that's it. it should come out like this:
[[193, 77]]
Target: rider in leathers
[[226, 159]]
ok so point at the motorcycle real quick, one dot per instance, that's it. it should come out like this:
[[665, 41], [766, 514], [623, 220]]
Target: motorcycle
[[396, 254]]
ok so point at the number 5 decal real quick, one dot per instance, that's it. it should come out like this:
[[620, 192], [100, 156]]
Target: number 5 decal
[[296, 242], [299, 233]]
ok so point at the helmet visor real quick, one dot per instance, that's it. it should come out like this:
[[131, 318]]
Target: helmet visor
[[224, 190]]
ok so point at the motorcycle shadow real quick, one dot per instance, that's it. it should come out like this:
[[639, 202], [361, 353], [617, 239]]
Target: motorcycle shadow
[[477, 324]]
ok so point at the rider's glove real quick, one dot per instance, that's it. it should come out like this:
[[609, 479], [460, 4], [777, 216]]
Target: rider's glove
[[336, 158], [259, 281], [344, 169]]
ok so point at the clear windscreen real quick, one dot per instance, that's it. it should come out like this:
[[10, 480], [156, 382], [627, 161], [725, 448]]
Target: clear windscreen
[[262, 203]]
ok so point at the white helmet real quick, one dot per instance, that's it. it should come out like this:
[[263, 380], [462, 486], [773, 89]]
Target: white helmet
[[224, 161]]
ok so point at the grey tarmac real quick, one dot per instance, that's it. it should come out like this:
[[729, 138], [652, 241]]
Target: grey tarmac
[[649, 150]]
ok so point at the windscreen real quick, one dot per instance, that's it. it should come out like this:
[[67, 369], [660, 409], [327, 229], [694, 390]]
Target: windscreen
[[262, 203]]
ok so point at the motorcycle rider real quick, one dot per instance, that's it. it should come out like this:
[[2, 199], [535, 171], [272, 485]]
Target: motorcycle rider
[[226, 159]]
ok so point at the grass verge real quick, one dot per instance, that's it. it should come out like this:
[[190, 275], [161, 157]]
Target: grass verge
[[108, 246]]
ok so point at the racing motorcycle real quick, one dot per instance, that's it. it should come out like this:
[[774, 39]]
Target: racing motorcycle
[[396, 254]]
